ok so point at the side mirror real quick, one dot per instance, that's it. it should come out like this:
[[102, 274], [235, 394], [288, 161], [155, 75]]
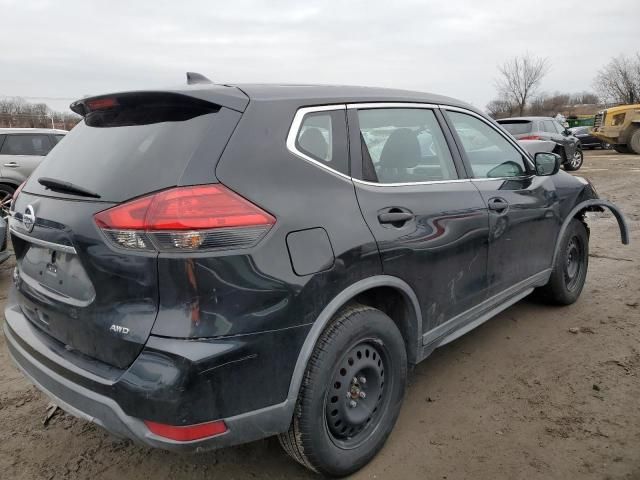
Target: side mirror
[[547, 163]]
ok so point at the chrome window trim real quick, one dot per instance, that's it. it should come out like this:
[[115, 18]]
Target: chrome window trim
[[295, 128], [301, 112], [369, 106], [409, 184], [43, 243], [524, 153]]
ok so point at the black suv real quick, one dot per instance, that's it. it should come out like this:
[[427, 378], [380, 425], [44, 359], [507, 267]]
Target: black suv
[[211, 265], [546, 128]]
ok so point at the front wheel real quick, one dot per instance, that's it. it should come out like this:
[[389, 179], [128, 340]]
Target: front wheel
[[570, 268], [575, 162], [351, 393]]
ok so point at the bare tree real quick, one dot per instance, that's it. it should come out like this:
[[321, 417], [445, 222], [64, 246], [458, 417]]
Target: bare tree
[[520, 77], [500, 108], [16, 112], [584, 98], [619, 80]]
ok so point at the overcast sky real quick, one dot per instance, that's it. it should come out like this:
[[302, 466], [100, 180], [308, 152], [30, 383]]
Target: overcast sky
[[67, 49]]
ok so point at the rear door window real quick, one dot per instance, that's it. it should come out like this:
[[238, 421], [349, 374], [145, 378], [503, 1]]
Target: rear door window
[[26, 144], [403, 145]]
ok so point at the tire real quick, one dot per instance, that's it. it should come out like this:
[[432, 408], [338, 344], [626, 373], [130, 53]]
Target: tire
[[634, 142], [621, 149], [574, 163], [335, 431], [570, 269]]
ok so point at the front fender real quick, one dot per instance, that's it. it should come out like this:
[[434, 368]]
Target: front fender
[[622, 223]]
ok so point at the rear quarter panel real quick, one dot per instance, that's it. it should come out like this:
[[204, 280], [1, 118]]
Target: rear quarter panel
[[256, 290]]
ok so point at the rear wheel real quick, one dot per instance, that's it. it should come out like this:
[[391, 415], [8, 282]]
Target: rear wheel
[[575, 162], [570, 269], [351, 393], [634, 141]]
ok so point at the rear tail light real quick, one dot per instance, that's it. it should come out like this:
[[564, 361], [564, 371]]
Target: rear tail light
[[187, 433], [202, 217], [531, 137]]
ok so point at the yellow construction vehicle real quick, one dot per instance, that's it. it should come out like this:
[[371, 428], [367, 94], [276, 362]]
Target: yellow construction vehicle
[[620, 127]]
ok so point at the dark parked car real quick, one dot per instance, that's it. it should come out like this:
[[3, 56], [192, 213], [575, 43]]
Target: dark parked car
[[547, 128], [587, 140], [210, 265]]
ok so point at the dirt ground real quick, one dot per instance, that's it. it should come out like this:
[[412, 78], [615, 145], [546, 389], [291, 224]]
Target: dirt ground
[[536, 393]]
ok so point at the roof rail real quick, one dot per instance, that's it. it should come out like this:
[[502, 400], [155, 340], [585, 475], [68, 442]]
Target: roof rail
[[194, 78]]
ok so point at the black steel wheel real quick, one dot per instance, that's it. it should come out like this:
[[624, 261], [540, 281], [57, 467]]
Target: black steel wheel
[[570, 267], [356, 394], [574, 262], [351, 393]]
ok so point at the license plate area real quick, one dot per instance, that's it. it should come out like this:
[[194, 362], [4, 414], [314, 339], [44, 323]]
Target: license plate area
[[56, 274]]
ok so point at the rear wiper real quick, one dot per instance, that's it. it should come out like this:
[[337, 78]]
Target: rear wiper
[[66, 187]]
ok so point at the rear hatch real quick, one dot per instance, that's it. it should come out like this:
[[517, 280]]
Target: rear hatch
[[71, 280]]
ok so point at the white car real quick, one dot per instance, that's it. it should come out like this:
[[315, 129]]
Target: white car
[[21, 151]]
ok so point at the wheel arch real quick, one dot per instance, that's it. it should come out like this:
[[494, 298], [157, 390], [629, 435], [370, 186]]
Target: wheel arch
[[413, 326], [588, 205], [9, 181]]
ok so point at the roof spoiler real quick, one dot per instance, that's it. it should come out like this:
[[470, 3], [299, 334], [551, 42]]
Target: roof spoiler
[[128, 100], [194, 78]]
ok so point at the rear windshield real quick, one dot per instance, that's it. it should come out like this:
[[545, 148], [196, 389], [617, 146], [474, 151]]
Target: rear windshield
[[516, 127], [122, 162]]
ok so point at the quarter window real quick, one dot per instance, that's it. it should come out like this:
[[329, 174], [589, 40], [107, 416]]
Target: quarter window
[[488, 152], [26, 145], [322, 137], [403, 145]]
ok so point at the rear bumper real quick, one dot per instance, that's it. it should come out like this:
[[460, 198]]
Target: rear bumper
[[104, 407]]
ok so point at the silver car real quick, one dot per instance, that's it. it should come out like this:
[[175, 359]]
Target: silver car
[[21, 151]]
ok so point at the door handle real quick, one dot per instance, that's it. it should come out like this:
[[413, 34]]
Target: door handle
[[397, 217], [11, 165], [498, 205]]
